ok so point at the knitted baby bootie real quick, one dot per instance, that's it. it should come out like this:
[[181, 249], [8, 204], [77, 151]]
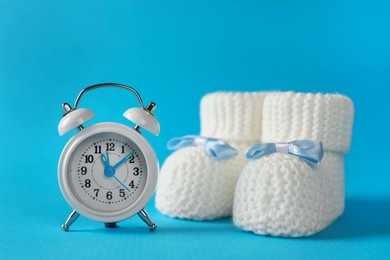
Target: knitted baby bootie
[[284, 193], [195, 182]]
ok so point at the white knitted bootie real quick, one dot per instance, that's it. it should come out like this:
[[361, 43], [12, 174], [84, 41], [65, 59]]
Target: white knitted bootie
[[283, 195], [193, 184]]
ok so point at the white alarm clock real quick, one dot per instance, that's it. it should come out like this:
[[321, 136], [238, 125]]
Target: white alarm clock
[[108, 171]]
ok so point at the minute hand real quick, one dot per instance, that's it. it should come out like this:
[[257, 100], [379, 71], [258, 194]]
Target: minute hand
[[123, 160]]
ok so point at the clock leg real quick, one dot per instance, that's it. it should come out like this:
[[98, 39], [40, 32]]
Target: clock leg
[[145, 218], [72, 218]]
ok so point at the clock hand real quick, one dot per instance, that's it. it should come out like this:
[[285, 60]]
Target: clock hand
[[123, 160], [109, 170], [108, 159], [105, 160], [121, 183]]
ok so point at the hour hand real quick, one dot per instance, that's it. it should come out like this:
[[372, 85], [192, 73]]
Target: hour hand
[[106, 160]]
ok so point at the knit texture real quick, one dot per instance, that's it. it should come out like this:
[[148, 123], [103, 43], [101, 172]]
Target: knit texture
[[282, 195], [193, 185], [233, 116], [326, 117]]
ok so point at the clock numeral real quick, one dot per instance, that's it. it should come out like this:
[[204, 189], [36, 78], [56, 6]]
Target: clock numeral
[[109, 195], [83, 170], [123, 149], [110, 146], [131, 184], [131, 159], [136, 171], [87, 183], [96, 192], [122, 193], [89, 158], [98, 149]]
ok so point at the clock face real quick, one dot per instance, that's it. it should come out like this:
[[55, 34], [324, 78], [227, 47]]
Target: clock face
[[107, 172]]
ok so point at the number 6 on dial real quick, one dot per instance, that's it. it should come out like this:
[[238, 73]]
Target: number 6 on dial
[[108, 171]]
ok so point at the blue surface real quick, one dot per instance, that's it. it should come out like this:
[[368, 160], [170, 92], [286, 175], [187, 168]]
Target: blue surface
[[174, 52]]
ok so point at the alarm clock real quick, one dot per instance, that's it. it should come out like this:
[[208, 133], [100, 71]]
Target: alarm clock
[[108, 171]]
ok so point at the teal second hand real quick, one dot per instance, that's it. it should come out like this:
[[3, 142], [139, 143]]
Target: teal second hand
[[124, 186]]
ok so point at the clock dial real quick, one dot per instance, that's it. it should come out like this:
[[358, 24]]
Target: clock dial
[[107, 172]]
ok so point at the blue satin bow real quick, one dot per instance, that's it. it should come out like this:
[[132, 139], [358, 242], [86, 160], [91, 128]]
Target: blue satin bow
[[309, 150], [216, 148]]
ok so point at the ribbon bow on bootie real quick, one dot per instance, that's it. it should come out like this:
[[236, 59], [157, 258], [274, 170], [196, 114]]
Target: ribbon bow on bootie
[[216, 148], [309, 150]]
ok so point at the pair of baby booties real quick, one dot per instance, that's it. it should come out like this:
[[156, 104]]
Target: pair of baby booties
[[278, 194]]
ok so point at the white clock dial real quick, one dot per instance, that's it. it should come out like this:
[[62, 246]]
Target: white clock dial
[[102, 191]]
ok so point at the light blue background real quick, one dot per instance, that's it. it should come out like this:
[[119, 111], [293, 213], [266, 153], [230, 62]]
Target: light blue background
[[173, 52]]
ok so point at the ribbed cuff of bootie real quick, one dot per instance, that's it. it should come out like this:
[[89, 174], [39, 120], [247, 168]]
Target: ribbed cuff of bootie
[[234, 116], [291, 116]]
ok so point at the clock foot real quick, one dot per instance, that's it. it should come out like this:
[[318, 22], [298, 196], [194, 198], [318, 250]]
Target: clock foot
[[145, 218], [110, 225], [72, 218]]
